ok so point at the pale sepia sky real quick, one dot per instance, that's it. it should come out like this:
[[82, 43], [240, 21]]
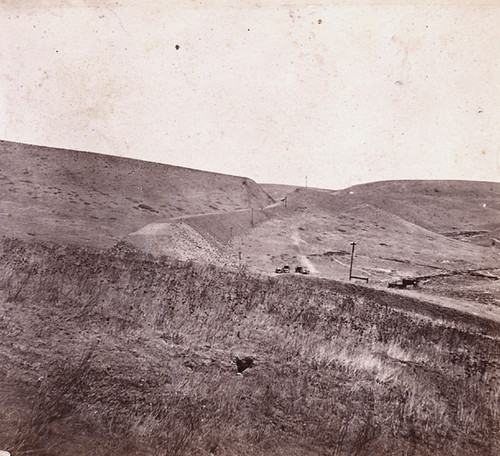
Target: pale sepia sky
[[341, 92]]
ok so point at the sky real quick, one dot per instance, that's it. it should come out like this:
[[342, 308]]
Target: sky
[[339, 92]]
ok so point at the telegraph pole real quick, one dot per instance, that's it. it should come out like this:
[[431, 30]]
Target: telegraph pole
[[306, 182], [350, 269], [352, 259]]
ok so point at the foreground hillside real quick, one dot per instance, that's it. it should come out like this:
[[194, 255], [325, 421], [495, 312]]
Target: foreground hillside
[[91, 199], [116, 352]]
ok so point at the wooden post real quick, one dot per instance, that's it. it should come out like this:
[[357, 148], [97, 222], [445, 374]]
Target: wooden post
[[352, 259]]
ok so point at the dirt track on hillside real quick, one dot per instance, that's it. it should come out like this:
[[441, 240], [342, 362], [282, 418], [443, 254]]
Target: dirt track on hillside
[[303, 259], [463, 306]]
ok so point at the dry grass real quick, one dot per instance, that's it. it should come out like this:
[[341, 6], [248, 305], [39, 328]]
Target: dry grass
[[117, 352], [91, 199]]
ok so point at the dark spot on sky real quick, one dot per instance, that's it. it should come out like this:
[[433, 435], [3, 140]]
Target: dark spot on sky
[[177, 46]]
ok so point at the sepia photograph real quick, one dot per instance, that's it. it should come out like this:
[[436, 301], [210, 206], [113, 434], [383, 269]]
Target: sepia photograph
[[251, 227]]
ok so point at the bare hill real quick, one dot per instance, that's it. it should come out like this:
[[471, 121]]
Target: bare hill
[[440, 206], [448, 207], [88, 198]]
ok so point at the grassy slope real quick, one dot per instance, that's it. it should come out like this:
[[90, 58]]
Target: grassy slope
[[440, 206], [383, 238], [448, 207], [115, 352], [92, 199], [355, 217]]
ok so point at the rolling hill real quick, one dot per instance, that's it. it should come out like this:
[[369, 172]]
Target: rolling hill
[[82, 197], [448, 207]]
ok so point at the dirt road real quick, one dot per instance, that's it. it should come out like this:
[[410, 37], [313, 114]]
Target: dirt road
[[297, 241]]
